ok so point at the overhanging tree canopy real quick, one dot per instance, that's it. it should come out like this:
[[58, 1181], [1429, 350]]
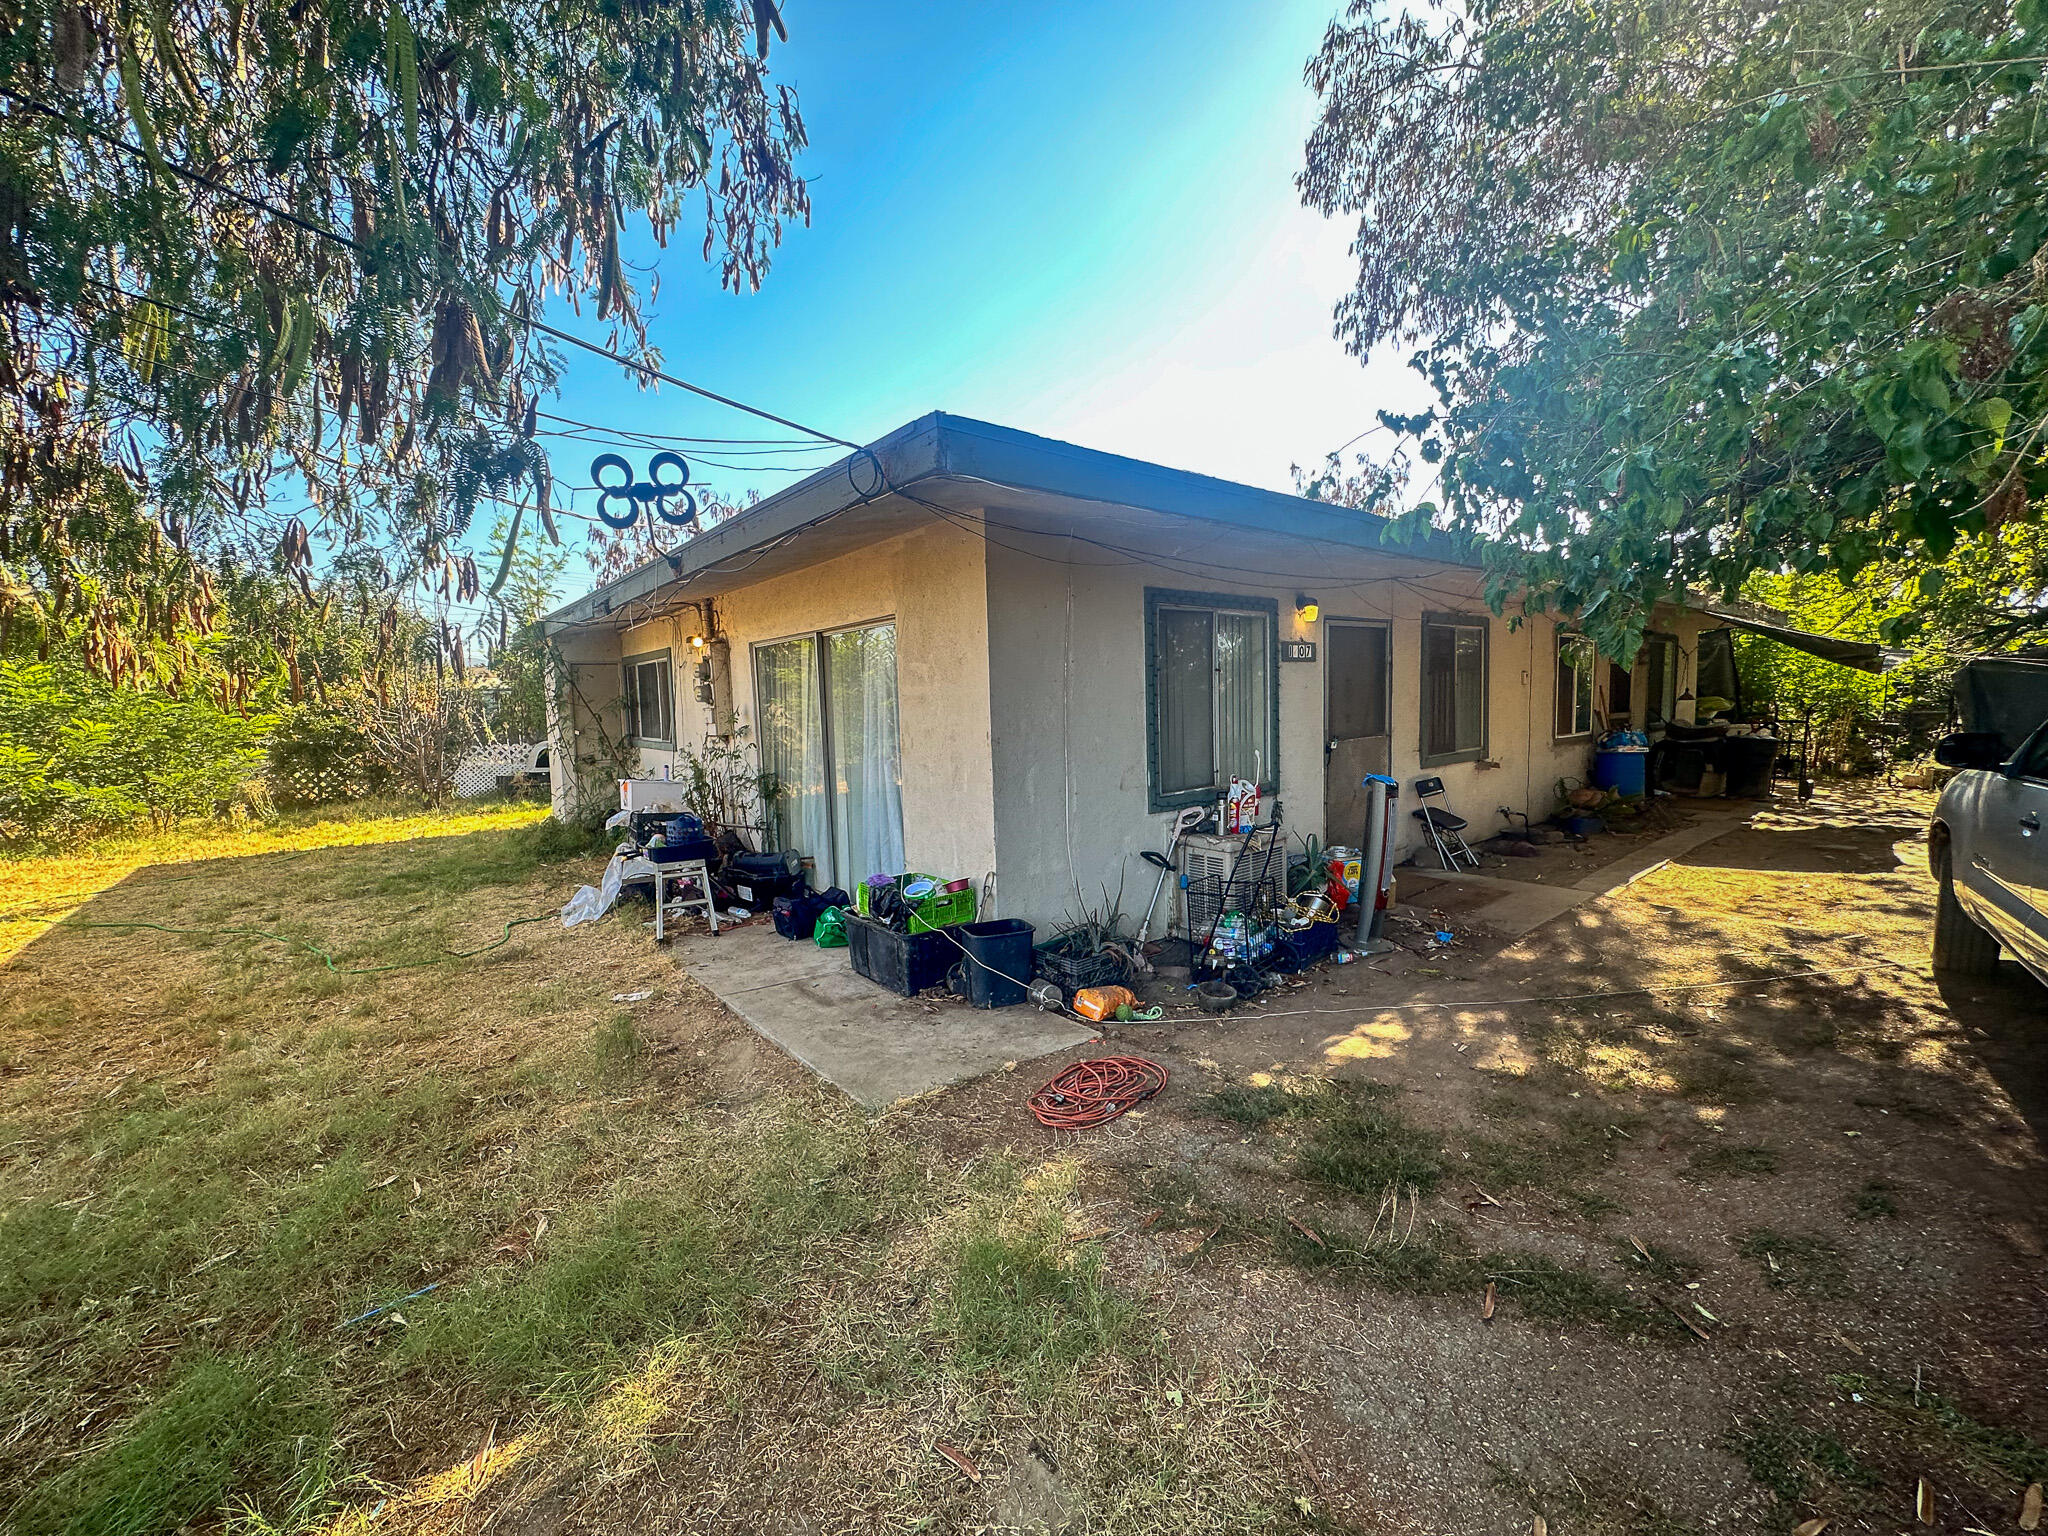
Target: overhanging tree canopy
[[250, 239], [1703, 290]]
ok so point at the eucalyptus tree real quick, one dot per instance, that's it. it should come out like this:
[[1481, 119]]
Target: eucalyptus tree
[[264, 255]]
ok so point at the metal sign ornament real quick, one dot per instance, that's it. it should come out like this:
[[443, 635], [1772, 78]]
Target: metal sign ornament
[[654, 492]]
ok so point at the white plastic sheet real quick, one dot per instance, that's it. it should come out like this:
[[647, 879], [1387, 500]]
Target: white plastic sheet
[[592, 901]]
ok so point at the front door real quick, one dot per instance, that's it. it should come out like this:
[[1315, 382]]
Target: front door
[[1357, 659]]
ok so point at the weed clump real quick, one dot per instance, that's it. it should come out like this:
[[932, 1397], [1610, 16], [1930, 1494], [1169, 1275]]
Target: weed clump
[[1792, 1461], [1725, 1162], [1249, 1106], [1358, 1144], [618, 1052]]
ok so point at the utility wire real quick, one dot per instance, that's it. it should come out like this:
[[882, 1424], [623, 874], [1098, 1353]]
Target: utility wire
[[368, 257], [646, 370]]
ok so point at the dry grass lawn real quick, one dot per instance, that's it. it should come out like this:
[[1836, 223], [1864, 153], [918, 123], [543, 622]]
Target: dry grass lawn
[[492, 1244], [405, 1243]]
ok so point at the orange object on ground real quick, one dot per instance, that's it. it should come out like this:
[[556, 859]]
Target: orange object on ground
[[1098, 1003], [1095, 1092]]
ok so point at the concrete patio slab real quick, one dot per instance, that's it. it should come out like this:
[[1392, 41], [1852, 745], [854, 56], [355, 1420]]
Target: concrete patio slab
[[1524, 907], [871, 1044]]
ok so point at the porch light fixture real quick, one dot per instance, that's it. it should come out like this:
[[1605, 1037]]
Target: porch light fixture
[[696, 642], [1306, 608]]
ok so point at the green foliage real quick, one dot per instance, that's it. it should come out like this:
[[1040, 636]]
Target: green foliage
[[1990, 595], [1360, 1144], [252, 243], [1730, 1162], [1800, 685], [222, 1422], [1707, 291], [79, 755], [1792, 1461]]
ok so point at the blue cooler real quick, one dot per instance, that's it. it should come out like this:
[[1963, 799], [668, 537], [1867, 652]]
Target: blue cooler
[[1621, 763]]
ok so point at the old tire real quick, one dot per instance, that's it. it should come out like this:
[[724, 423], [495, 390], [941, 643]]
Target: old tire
[[1959, 944]]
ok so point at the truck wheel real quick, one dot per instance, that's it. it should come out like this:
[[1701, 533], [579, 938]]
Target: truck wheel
[[1959, 944]]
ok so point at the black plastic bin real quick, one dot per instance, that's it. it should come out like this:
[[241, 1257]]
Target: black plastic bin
[[997, 965], [1071, 973], [905, 963], [1748, 761]]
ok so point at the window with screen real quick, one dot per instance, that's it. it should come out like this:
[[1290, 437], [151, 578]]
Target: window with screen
[[650, 700], [1576, 661], [1453, 689], [1212, 661]]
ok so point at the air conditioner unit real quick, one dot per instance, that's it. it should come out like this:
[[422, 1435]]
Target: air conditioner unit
[[1210, 863]]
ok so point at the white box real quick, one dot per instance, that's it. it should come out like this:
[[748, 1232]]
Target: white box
[[639, 795]]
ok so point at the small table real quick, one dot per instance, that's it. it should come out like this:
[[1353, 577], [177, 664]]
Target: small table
[[640, 867]]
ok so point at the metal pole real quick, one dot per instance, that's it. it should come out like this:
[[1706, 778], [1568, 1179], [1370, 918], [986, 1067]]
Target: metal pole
[[1376, 850]]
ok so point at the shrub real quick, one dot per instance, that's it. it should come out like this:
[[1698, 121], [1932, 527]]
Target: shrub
[[79, 755]]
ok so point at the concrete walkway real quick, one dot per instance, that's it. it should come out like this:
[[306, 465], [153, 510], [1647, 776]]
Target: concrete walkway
[[871, 1044], [1524, 906]]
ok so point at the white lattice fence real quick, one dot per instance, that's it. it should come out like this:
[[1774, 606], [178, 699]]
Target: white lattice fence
[[478, 773]]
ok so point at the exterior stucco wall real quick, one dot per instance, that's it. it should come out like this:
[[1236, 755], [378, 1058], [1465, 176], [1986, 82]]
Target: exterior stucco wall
[[1067, 676], [932, 584], [582, 679]]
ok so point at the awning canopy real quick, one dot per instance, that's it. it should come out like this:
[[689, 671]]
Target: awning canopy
[[1864, 655]]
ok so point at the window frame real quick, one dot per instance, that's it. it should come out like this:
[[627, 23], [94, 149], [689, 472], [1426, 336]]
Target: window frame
[[1267, 610], [1455, 621], [1591, 668], [629, 673]]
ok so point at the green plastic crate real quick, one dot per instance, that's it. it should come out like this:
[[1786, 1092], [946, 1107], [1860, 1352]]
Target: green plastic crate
[[934, 912], [942, 911]]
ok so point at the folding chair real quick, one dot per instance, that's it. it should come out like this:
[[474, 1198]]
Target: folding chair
[[1446, 828]]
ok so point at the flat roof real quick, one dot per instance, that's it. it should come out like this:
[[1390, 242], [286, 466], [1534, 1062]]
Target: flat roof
[[941, 465]]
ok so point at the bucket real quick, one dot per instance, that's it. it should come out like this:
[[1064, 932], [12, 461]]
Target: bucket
[[998, 962], [1623, 770]]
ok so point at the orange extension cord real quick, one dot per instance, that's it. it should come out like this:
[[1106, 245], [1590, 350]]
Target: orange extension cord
[[1091, 1093]]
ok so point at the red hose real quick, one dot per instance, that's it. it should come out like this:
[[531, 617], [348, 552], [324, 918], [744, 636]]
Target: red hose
[[1095, 1092]]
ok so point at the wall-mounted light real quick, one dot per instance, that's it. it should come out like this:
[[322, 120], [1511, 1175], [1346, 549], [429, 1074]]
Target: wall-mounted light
[[696, 642], [1306, 608]]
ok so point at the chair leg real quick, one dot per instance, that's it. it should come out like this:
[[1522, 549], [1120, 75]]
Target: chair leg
[[1463, 848], [1443, 852]]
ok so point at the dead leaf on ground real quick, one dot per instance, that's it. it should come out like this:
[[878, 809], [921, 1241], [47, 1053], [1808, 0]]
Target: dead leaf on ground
[[1812, 1527], [386, 1182], [1486, 1305], [2030, 1508], [959, 1459], [1923, 1502], [1308, 1232], [1089, 1237], [1691, 1327], [1539, 1527]]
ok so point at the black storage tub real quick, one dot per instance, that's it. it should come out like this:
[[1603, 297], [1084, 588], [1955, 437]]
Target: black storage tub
[[905, 963]]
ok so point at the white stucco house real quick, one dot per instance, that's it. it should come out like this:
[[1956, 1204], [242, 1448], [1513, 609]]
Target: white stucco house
[[969, 650]]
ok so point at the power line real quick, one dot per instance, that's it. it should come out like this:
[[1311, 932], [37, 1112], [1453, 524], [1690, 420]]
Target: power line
[[648, 370]]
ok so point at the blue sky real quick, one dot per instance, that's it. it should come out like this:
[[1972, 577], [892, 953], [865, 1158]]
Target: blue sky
[[1074, 219]]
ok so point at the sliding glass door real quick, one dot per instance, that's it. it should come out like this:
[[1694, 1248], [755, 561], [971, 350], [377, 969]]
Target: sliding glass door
[[828, 736], [791, 705]]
